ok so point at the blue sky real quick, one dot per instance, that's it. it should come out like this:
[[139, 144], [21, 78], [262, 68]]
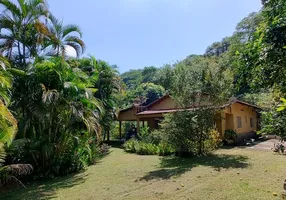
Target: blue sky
[[137, 33]]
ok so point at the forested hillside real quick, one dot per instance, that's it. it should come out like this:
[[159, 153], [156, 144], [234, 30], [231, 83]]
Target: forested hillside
[[233, 56], [224, 55]]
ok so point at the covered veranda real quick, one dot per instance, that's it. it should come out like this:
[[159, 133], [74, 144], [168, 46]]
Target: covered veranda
[[141, 119]]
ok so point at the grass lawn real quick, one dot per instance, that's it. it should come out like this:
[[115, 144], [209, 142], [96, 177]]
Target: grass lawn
[[227, 174]]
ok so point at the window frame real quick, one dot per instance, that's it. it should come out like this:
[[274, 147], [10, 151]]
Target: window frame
[[239, 122], [251, 120]]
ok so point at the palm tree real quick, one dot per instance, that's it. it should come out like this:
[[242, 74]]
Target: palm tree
[[57, 111], [5, 80], [18, 28], [60, 37], [107, 81], [8, 124]]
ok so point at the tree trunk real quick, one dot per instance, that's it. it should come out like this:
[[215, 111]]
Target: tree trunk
[[104, 135], [108, 135]]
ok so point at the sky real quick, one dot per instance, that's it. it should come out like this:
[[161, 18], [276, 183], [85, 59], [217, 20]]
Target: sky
[[136, 33]]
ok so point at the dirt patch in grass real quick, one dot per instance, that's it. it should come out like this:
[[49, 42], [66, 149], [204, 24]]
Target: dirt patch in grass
[[227, 174]]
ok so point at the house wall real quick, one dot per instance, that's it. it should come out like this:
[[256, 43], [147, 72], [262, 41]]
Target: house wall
[[245, 112], [128, 115], [229, 121], [167, 103]]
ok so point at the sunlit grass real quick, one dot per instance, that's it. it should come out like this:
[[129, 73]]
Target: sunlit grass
[[227, 174]]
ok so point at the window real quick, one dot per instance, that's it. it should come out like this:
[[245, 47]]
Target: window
[[251, 122], [239, 124]]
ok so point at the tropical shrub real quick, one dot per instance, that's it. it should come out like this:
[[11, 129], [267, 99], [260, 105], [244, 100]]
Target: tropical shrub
[[58, 117], [129, 146], [155, 137], [214, 141], [115, 131], [64, 108], [273, 121], [230, 136], [143, 147], [191, 133], [8, 130]]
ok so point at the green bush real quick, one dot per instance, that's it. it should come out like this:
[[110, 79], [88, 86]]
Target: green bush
[[274, 123], [214, 141], [129, 146], [164, 149], [230, 136], [142, 147], [190, 133], [77, 153], [115, 131], [144, 132]]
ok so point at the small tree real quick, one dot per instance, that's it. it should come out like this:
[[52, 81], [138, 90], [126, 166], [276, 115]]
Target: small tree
[[199, 88], [189, 132]]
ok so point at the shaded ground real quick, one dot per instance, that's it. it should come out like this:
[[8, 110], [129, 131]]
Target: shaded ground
[[228, 174]]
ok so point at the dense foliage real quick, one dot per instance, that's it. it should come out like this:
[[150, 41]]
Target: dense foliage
[[149, 143], [148, 148], [62, 107], [262, 63]]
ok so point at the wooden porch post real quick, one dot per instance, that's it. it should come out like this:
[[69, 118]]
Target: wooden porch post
[[138, 126], [143, 123], [120, 129]]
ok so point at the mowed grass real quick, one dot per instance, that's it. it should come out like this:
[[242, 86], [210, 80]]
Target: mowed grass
[[227, 174]]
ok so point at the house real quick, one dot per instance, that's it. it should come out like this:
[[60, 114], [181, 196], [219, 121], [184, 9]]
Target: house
[[236, 115]]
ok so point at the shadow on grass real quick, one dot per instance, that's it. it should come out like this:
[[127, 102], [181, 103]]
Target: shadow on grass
[[44, 189], [175, 166]]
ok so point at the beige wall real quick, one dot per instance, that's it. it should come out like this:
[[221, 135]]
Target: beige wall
[[128, 115], [245, 112], [167, 103]]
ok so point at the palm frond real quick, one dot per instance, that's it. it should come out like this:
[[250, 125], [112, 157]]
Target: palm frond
[[35, 10], [11, 7], [71, 28], [20, 169], [93, 62], [50, 96], [16, 72], [8, 125], [2, 154], [4, 63], [76, 46], [6, 22]]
